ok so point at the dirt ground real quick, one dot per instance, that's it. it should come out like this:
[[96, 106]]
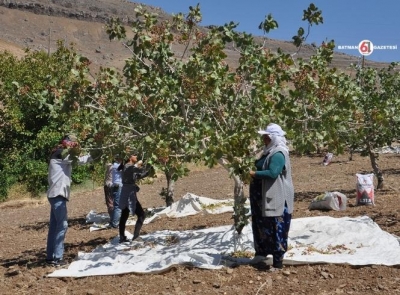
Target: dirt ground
[[24, 225]]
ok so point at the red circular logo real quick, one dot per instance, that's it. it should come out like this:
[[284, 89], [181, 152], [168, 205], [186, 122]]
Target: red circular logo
[[365, 47]]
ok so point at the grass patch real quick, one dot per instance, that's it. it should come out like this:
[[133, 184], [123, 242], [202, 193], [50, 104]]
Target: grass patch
[[215, 205], [242, 254], [19, 196]]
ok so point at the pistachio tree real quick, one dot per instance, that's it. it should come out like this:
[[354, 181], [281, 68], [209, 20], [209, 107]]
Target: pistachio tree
[[318, 98], [375, 120], [155, 111], [177, 107], [194, 105], [37, 96], [237, 102], [319, 103], [329, 108]]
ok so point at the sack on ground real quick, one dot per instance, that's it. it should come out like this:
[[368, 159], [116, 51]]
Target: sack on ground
[[365, 189], [329, 201], [327, 159]]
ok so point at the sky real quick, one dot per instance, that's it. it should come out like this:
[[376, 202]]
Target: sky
[[347, 22]]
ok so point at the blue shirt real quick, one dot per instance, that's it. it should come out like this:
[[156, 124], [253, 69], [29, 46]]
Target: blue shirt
[[116, 175]]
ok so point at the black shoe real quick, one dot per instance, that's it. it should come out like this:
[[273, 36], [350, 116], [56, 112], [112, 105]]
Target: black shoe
[[123, 239], [56, 262], [137, 239], [110, 225], [50, 261], [258, 259], [60, 262]]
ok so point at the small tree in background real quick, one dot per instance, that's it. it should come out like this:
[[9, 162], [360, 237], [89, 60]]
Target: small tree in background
[[37, 97], [375, 120]]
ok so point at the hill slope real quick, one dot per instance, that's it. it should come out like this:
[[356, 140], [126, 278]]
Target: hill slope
[[39, 24]]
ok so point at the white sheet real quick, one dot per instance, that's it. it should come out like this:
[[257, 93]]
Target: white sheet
[[355, 241], [189, 204]]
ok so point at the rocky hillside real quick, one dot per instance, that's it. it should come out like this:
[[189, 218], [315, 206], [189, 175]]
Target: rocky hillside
[[39, 24]]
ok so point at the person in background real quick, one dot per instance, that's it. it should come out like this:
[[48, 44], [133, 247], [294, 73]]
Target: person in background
[[271, 198], [116, 190], [62, 158], [108, 190], [132, 171]]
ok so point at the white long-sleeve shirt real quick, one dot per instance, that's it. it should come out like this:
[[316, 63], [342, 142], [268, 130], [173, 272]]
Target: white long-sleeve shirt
[[60, 176]]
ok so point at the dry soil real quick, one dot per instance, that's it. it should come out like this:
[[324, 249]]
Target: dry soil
[[24, 225]]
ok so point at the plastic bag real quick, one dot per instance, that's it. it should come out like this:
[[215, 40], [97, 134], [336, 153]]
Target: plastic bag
[[329, 201], [327, 159]]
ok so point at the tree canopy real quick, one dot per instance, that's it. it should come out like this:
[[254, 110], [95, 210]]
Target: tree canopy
[[193, 105]]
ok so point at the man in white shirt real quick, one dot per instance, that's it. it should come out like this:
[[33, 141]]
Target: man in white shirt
[[60, 167]]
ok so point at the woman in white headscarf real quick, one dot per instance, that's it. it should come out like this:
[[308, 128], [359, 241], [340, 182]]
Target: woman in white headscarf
[[271, 198]]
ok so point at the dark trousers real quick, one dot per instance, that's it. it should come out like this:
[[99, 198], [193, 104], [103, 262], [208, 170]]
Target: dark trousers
[[139, 212], [109, 200], [270, 234]]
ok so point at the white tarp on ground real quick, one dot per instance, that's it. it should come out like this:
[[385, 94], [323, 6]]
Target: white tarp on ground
[[388, 150], [355, 241], [189, 204]]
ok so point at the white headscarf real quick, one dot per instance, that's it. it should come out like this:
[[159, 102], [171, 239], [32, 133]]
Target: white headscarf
[[277, 135]]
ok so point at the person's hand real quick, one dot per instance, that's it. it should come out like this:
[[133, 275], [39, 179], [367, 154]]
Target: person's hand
[[252, 173], [69, 144]]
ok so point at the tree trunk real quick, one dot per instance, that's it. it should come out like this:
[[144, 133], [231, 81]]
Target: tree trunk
[[351, 152], [377, 171], [240, 218], [169, 193]]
